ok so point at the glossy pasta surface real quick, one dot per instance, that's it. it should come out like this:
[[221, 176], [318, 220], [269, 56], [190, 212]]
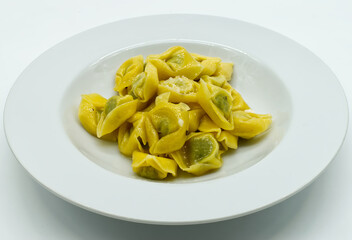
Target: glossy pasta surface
[[173, 111]]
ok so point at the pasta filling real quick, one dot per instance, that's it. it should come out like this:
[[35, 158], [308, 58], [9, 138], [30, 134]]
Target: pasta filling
[[137, 86], [149, 172], [110, 105], [197, 148], [222, 102]]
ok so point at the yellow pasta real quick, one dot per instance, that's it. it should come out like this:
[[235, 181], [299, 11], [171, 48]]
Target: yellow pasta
[[210, 64], [145, 84], [126, 73], [217, 103], [176, 61], [173, 111], [166, 125], [132, 135], [153, 167], [90, 110], [225, 69], [226, 138], [181, 89], [195, 116], [215, 80], [249, 125], [199, 154], [89, 114], [238, 102], [116, 111]]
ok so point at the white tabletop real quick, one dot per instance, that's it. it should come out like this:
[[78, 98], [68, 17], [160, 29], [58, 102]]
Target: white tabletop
[[321, 211]]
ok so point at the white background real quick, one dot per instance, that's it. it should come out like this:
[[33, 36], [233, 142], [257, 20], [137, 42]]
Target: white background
[[321, 211]]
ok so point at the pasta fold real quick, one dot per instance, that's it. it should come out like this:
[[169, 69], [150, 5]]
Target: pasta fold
[[249, 125], [238, 103], [215, 80], [176, 61], [226, 138], [116, 111], [199, 154], [166, 125], [132, 135], [153, 167], [144, 86], [210, 64], [217, 103], [89, 114], [126, 73]]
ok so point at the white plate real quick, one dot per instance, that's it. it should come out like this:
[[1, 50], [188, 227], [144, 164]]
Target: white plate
[[274, 74]]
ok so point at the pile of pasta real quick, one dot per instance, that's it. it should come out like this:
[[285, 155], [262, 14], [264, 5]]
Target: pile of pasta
[[173, 110]]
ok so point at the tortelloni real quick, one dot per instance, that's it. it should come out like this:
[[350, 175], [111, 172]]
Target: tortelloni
[[153, 167], [199, 154], [249, 125], [195, 115], [166, 125], [176, 61], [217, 103], [116, 111], [174, 111], [90, 110], [126, 73], [89, 114], [145, 84]]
